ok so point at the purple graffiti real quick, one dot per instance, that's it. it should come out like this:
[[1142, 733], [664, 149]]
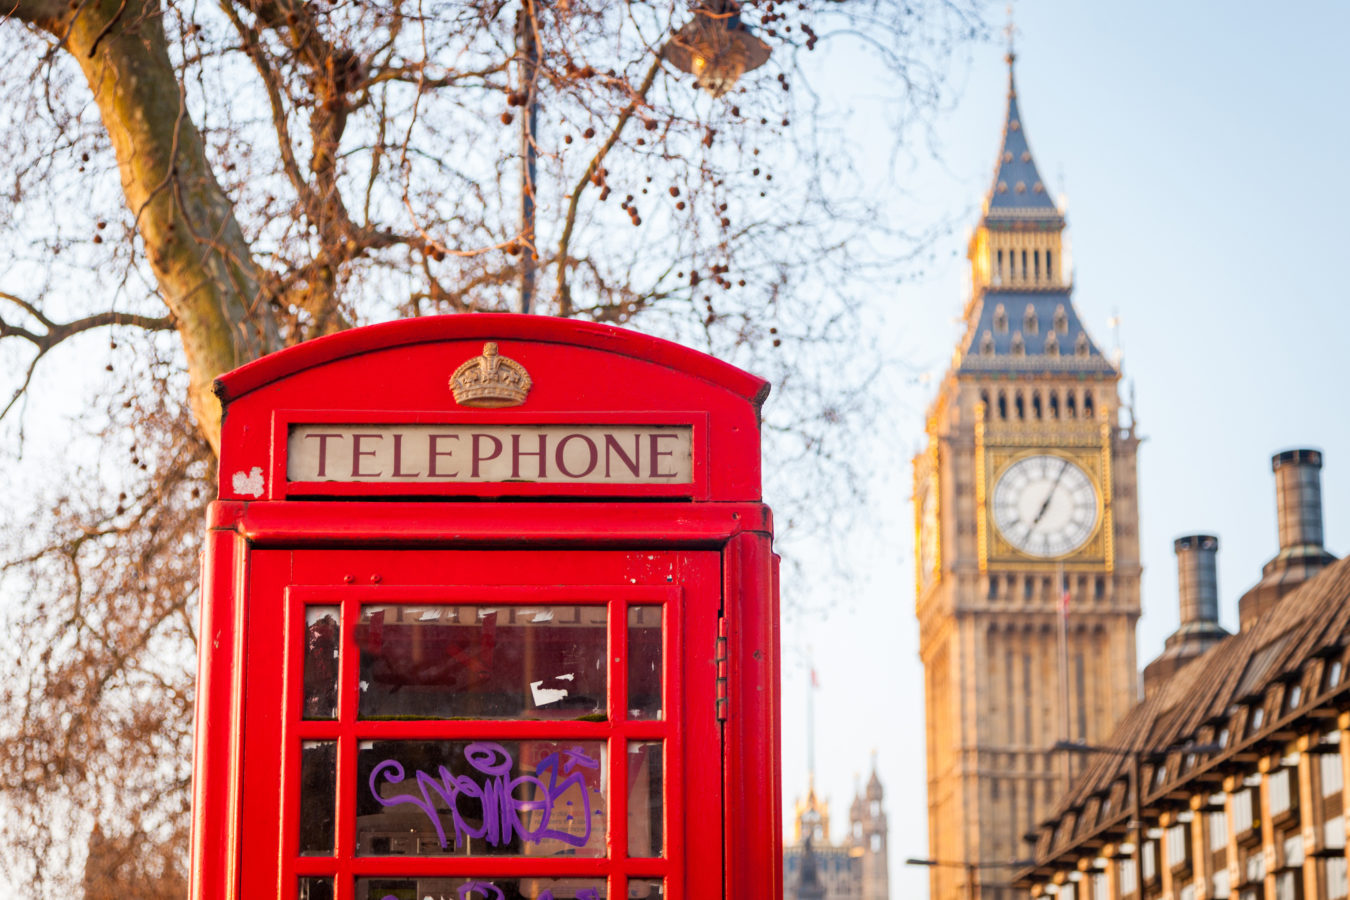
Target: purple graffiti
[[490, 785], [486, 890]]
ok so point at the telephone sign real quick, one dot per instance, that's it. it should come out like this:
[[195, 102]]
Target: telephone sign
[[490, 612]]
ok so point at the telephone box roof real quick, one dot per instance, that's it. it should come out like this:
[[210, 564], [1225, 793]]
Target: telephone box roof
[[489, 326]]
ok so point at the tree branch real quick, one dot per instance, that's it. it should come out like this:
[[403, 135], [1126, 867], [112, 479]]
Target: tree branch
[[570, 218]]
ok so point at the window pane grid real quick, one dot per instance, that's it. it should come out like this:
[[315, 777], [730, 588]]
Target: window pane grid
[[618, 733]]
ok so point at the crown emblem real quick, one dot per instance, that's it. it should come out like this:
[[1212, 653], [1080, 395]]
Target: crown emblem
[[490, 380]]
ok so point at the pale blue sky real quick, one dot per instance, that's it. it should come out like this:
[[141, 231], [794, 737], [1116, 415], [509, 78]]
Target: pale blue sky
[[1203, 150]]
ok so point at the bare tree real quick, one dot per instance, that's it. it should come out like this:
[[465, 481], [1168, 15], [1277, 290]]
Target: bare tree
[[289, 168]]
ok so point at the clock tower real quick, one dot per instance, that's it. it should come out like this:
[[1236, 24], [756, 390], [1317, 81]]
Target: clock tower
[[1027, 540]]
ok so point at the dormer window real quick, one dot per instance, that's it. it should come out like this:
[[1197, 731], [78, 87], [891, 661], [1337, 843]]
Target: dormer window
[[1018, 347], [1026, 156], [1080, 346], [1029, 323], [987, 344], [1000, 319], [1007, 156], [1003, 187], [1021, 187], [1052, 349], [1061, 317], [1038, 187]]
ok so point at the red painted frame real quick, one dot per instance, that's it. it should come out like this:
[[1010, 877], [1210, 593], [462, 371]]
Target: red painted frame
[[584, 374]]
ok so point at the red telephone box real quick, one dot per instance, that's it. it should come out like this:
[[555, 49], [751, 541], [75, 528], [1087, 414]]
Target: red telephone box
[[490, 612]]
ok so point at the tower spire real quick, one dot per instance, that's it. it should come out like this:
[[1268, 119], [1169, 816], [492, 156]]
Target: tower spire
[[1018, 191]]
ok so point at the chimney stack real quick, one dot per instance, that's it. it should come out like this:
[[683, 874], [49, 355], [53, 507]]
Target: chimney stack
[[1298, 504], [1198, 578], [1198, 588], [1298, 498]]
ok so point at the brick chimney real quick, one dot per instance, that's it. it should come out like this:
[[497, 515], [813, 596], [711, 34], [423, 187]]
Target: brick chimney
[[1298, 502], [1198, 588]]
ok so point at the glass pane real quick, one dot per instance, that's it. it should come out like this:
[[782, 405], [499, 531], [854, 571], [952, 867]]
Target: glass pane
[[482, 889], [482, 662], [321, 662], [481, 798], [644, 662], [645, 798], [316, 889], [318, 796], [645, 888]]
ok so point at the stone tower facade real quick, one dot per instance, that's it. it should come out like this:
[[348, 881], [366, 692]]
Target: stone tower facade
[[867, 839], [1027, 541]]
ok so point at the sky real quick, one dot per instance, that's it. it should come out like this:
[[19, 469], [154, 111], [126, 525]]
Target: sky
[[1201, 148]]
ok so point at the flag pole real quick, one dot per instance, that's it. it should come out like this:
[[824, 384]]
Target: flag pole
[[1063, 608], [811, 685]]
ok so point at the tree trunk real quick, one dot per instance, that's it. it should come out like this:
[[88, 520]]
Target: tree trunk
[[203, 264]]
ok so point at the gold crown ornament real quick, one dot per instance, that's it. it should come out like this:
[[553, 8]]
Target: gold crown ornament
[[490, 380]]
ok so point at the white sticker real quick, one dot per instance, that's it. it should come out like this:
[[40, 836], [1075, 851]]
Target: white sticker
[[544, 696], [250, 485]]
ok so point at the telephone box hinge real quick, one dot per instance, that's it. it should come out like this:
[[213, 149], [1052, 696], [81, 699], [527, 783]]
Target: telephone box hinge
[[720, 658]]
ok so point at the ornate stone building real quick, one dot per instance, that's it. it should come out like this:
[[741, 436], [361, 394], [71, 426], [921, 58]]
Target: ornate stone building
[[1024, 496], [815, 869]]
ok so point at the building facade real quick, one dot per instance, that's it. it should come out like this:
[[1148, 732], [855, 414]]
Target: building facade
[[1232, 778], [1024, 496], [816, 869]]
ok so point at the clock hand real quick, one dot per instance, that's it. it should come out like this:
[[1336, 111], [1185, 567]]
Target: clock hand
[[1048, 497]]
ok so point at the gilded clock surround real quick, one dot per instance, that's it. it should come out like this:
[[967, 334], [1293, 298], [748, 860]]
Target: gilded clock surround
[[1088, 447]]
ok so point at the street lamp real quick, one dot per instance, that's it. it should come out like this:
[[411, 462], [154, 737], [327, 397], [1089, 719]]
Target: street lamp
[[717, 48], [970, 868], [1136, 757]]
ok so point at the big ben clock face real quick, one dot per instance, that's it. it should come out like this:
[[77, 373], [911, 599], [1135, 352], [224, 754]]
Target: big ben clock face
[[1045, 506]]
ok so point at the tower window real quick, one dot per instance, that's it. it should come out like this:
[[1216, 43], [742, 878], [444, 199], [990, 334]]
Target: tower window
[[1087, 405], [1018, 347], [1036, 265], [1000, 319], [1061, 317], [1050, 267], [1020, 408], [1052, 344], [1080, 346], [1024, 264], [1071, 405], [984, 402], [998, 272], [1002, 406], [987, 344], [1028, 586], [1099, 587], [1036, 405], [1054, 395], [1029, 322]]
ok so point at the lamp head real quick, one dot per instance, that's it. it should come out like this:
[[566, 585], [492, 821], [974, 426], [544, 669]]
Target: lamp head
[[716, 48]]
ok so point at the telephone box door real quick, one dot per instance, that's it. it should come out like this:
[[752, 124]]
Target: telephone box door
[[482, 725]]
